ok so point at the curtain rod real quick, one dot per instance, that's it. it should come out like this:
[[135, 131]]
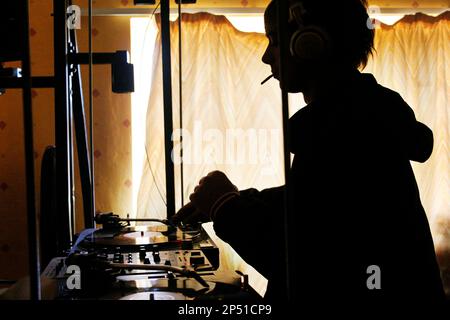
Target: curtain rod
[[136, 12]]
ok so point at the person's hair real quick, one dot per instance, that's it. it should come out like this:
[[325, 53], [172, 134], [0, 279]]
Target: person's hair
[[346, 23]]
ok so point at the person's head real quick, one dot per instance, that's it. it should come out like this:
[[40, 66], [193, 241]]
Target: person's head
[[348, 39]]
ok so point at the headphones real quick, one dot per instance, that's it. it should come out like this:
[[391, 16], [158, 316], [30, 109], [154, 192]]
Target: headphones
[[308, 42]]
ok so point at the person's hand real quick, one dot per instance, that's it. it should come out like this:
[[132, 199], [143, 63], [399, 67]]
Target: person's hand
[[189, 215], [209, 190]]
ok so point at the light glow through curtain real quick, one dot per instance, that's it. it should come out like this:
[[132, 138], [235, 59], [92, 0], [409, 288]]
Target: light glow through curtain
[[230, 121], [224, 104]]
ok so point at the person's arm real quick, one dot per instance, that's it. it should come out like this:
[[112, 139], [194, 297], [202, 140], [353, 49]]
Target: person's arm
[[420, 143], [252, 223], [410, 135]]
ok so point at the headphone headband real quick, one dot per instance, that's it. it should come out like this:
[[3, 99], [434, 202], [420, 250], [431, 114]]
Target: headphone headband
[[308, 42], [296, 13]]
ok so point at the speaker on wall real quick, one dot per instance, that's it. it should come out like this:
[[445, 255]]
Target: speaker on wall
[[12, 33]]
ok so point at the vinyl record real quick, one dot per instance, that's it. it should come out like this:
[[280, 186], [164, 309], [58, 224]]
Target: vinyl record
[[151, 235], [157, 295]]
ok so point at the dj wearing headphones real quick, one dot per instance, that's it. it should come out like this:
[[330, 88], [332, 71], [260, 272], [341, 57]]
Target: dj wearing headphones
[[357, 228]]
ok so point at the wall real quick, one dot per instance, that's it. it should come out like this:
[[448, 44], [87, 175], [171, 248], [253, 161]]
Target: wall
[[112, 134]]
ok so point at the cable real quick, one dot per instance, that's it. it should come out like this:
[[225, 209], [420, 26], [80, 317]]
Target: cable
[[156, 8], [145, 145], [154, 177], [152, 15]]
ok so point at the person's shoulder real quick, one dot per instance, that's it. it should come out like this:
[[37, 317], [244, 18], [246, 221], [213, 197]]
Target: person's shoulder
[[301, 115], [381, 92]]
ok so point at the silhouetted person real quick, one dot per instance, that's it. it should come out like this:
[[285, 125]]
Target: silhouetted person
[[357, 228]]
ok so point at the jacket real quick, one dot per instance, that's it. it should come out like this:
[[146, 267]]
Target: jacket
[[355, 207]]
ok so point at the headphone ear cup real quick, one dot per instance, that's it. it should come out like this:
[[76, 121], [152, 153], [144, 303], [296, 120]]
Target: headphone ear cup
[[309, 44]]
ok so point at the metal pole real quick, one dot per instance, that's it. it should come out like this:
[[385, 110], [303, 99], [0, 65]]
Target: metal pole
[[168, 119], [180, 85], [283, 41], [33, 241], [91, 111], [62, 119], [81, 136]]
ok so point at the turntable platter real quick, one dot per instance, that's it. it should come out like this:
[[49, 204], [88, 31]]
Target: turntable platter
[[149, 228], [155, 296], [160, 235], [141, 238]]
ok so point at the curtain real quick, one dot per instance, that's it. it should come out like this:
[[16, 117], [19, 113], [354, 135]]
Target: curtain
[[226, 108], [413, 58]]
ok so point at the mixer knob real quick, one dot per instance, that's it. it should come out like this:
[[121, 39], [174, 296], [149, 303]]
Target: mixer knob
[[142, 255], [197, 260], [156, 257]]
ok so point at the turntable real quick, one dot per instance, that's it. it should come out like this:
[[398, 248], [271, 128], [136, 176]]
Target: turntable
[[149, 236], [119, 238], [217, 286], [157, 261]]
